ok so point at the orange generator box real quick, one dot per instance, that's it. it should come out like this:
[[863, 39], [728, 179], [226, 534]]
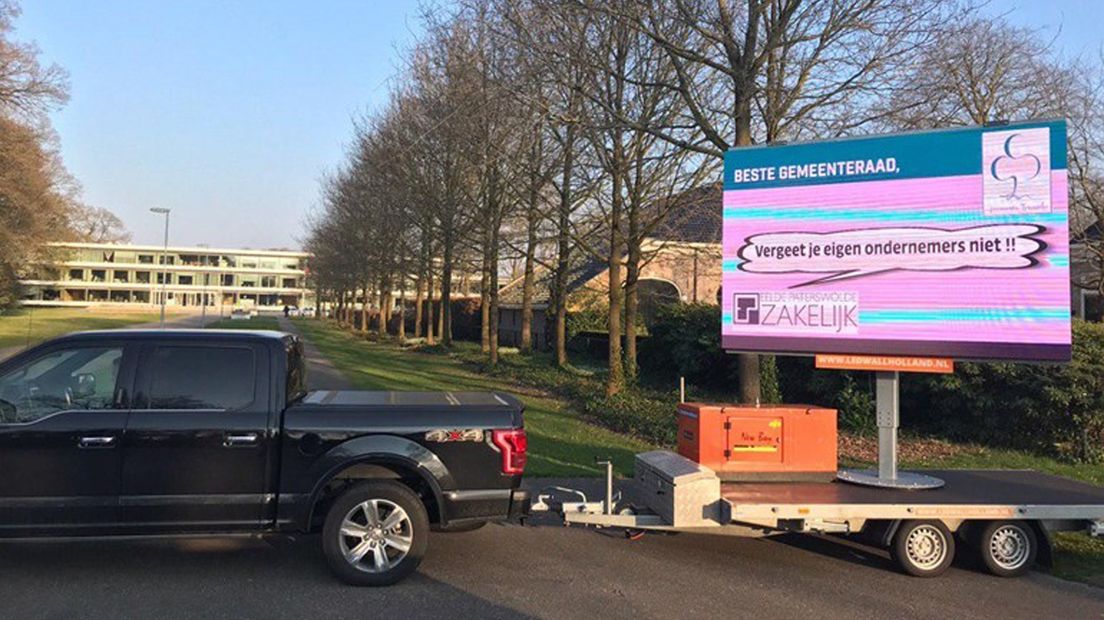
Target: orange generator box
[[767, 443]]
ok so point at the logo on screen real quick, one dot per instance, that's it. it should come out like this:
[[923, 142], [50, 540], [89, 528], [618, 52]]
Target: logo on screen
[[800, 312], [1016, 171], [745, 308]]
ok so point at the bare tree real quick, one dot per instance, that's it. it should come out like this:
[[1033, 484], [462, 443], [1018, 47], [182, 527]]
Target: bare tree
[[98, 225]]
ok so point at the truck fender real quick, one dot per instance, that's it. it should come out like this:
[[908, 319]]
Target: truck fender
[[379, 450]]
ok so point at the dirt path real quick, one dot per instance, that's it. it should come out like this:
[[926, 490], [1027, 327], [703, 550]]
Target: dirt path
[[321, 373]]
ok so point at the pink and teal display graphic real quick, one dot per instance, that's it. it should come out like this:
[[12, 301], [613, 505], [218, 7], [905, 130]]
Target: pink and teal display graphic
[[947, 243]]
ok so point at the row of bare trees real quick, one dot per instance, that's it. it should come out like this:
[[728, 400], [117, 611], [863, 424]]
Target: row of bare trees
[[39, 201], [546, 133]]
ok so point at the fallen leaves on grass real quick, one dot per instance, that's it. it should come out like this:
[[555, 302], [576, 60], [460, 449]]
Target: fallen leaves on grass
[[865, 449]]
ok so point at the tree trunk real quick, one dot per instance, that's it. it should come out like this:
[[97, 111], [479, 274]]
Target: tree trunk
[[364, 311], [485, 290], [527, 284], [615, 379], [429, 307], [402, 312], [493, 310], [563, 259], [632, 303], [419, 297], [747, 363], [446, 291]]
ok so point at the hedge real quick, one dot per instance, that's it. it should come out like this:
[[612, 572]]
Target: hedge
[[1050, 408]]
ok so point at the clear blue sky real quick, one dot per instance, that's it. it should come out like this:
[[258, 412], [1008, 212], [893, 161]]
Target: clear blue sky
[[229, 112], [226, 112]]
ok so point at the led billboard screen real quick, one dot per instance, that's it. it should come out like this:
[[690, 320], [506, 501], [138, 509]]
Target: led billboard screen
[[947, 243]]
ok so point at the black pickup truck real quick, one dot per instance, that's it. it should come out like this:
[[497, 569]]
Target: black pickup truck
[[186, 432]]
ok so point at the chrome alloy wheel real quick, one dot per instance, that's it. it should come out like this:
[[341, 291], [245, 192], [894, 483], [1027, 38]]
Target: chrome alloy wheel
[[926, 547], [1009, 547], [376, 535]]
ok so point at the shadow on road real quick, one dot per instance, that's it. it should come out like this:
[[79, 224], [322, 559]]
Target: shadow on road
[[208, 578]]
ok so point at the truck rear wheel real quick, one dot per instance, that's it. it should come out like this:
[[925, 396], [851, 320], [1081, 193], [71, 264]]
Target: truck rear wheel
[[1008, 548], [375, 533], [923, 548]]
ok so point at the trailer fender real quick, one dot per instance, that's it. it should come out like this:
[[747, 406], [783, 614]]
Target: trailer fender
[[1045, 556]]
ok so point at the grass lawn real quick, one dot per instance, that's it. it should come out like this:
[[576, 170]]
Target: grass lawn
[[257, 322], [23, 326], [560, 444]]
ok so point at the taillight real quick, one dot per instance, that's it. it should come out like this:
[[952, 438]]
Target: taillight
[[513, 444]]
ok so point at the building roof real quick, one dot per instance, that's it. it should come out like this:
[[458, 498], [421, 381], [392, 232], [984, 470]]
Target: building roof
[[693, 216], [178, 249]]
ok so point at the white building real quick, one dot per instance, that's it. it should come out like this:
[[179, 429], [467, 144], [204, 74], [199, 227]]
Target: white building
[[100, 273]]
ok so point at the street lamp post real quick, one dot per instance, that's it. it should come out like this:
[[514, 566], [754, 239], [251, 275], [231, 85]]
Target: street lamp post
[[164, 260]]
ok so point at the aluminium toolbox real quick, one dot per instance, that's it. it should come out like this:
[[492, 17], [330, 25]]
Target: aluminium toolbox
[[682, 492], [783, 443]]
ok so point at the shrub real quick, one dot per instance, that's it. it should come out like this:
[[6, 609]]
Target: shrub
[[1046, 407], [686, 342]]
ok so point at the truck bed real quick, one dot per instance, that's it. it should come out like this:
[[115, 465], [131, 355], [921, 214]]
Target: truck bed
[[966, 494]]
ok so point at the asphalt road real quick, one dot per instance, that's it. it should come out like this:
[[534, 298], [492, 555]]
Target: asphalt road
[[509, 571]]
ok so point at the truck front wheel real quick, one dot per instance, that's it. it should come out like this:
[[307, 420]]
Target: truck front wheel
[[923, 548], [1008, 548], [375, 533]]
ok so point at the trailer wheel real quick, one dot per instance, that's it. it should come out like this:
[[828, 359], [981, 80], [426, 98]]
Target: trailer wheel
[[1008, 548], [923, 548]]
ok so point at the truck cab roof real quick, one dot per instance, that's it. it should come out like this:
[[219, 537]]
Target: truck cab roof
[[176, 334]]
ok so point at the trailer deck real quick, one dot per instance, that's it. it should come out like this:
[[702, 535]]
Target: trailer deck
[[967, 494], [1005, 515]]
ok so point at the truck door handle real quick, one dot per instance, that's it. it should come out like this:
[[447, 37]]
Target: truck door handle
[[105, 441], [239, 439]]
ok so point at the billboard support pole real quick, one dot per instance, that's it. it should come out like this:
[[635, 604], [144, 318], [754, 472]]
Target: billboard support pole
[[887, 396], [887, 405]]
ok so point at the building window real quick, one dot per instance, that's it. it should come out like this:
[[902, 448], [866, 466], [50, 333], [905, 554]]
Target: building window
[[161, 278], [227, 279], [167, 260], [146, 259], [184, 280], [76, 274], [99, 275], [268, 281], [290, 283], [122, 276]]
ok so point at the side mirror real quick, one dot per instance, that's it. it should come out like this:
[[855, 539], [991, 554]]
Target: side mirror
[[84, 385]]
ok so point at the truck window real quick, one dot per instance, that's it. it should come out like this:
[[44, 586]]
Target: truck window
[[188, 377], [79, 378]]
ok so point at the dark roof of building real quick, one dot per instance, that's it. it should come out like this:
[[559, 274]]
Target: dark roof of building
[[693, 216]]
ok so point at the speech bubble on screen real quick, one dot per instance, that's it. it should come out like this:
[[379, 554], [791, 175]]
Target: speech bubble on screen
[[857, 253]]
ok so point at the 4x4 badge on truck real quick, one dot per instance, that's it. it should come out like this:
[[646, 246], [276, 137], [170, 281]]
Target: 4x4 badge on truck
[[443, 435]]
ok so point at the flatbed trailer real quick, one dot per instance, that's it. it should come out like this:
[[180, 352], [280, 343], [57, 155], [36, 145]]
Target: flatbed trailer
[[1005, 516]]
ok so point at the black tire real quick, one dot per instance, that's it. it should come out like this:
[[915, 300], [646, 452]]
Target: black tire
[[458, 528], [923, 548], [1008, 548], [383, 495]]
